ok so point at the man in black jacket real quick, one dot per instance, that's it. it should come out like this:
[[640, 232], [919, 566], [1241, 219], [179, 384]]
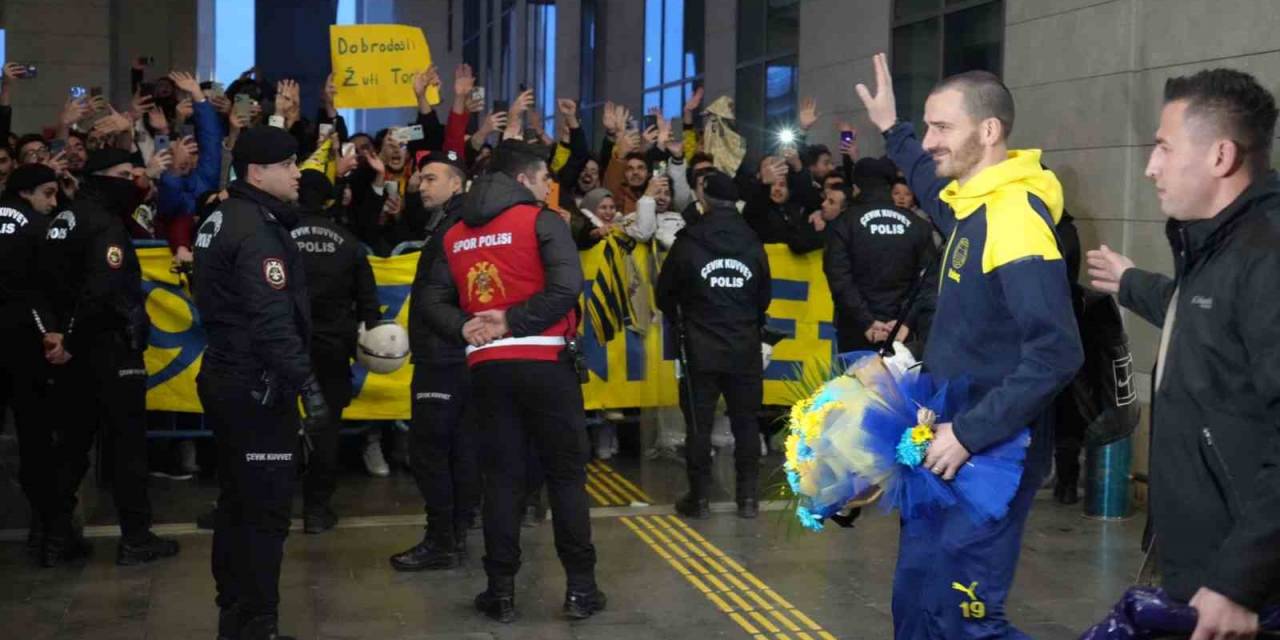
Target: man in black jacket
[[507, 281], [30, 196], [1215, 449], [101, 322], [874, 252], [342, 292], [716, 283], [442, 441], [251, 292]]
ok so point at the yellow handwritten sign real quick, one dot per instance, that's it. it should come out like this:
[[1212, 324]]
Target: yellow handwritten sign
[[374, 65]]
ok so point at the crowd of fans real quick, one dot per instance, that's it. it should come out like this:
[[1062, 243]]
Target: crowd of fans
[[637, 184], [635, 187]]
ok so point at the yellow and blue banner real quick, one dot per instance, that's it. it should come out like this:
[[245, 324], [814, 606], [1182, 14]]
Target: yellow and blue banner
[[628, 368]]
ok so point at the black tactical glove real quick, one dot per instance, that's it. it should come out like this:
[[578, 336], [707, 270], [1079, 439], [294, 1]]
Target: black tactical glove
[[137, 328], [315, 409], [315, 413]]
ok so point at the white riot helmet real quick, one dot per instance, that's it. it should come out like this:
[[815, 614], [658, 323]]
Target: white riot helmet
[[384, 348]]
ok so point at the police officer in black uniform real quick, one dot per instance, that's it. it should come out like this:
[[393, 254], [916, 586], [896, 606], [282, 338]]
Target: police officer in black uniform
[[99, 331], [251, 291], [30, 197], [715, 283], [442, 442], [875, 252], [342, 292], [507, 280]]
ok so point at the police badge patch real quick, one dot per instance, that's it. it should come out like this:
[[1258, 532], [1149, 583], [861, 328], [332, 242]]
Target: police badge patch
[[273, 271], [115, 257]]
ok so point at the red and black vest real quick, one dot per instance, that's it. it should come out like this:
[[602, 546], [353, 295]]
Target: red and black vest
[[498, 266]]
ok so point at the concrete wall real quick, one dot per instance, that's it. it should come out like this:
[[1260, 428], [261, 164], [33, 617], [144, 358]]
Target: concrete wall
[[65, 51], [162, 29], [91, 43], [720, 67], [568, 48], [623, 76], [433, 17], [837, 40]]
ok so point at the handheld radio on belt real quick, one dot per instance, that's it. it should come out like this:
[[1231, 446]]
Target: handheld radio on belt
[[682, 349]]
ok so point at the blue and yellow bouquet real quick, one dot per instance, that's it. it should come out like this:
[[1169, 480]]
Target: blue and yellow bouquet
[[863, 435]]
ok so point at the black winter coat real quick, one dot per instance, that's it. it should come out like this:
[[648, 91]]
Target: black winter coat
[[340, 284], [251, 291], [1215, 442], [93, 276], [874, 252], [429, 347], [490, 196], [716, 279], [22, 239]]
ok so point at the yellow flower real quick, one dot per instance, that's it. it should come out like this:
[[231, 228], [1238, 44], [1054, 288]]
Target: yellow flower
[[793, 450], [811, 423], [921, 434]]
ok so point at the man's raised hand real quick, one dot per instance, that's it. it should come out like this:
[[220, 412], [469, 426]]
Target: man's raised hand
[[882, 107]]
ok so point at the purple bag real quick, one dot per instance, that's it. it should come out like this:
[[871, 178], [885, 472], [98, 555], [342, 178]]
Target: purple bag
[[1147, 613]]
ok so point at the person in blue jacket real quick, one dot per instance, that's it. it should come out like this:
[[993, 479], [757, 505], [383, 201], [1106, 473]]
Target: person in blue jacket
[[1004, 321], [180, 186]]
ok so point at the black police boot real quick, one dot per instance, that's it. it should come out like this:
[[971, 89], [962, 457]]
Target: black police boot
[[748, 508], [580, 605], [1065, 493], [499, 600], [229, 623], [533, 516], [35, 534], [460, 539], [262, 628], [58, 549], [207, 520], [146, 548], [692, 506], [434, 553], [318, 520]]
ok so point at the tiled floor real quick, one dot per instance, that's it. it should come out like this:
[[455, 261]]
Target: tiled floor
[[767, 579]]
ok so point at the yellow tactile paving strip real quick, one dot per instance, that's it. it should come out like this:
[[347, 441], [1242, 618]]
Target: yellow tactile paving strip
[[748, 601], [608, 488]]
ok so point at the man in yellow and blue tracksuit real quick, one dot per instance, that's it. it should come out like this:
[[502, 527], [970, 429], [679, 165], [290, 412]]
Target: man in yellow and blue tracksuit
[[1004, 321]]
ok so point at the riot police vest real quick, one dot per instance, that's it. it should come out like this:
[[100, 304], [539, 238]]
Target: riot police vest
[[498, 266]]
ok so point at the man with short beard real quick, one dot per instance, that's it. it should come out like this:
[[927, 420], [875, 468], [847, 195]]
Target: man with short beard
[[77, 152], [588, 179], [627, 176], [1004, 323]]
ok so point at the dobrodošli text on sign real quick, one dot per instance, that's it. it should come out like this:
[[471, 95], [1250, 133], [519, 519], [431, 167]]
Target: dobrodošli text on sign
[[374, 65]]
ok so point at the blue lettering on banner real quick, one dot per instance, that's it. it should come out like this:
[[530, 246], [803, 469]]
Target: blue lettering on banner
[[783, 369], [797, 290], [593, 350], [391, 297], [636, 360], [827, 331], [190, 343]]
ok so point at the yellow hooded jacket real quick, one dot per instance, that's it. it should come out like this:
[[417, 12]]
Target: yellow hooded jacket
[[1004, 320]]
